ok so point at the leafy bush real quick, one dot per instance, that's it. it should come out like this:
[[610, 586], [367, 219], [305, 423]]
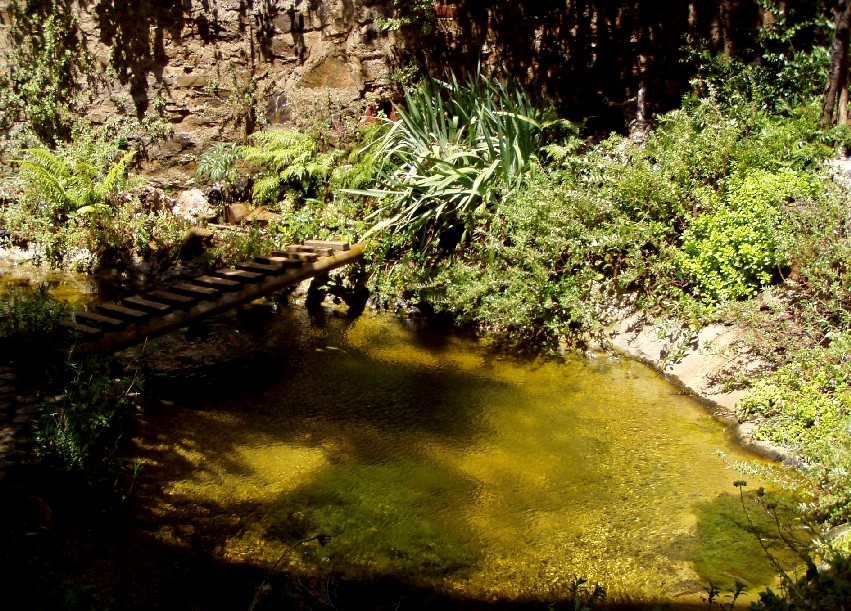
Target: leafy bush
[[787, 67], [806, 405], [696, 215], [28, 317], [63, 192], [218, 164], [75, 201], [822, 590], [732, 251], [81, 431], [42, 71], [65, 186], [408, 13]]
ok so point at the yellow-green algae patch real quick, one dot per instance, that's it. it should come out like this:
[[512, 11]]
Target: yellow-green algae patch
[[429, 459]]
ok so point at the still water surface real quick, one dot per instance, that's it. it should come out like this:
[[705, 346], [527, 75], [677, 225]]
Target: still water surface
[[429, 458]]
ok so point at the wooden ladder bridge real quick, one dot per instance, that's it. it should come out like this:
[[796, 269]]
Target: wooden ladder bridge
[[115, 326]]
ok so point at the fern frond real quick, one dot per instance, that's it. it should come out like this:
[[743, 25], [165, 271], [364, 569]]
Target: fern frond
[[47, 185], [116, 177], [49, 161], [267, 189]]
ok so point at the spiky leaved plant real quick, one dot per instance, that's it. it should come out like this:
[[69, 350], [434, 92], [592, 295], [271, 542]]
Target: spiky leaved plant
[[457, 145]]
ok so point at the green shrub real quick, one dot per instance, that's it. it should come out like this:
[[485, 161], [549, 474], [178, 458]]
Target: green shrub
[[292, 163], [65, 185], [29, 316], [64, 194], [81, 431], [218, 164], [42, 73], [732, 252], [806, 405], [786, 68], [823, 590], [76, 201]]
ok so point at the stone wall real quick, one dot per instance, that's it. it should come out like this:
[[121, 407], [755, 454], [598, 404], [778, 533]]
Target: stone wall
[[211, 69]]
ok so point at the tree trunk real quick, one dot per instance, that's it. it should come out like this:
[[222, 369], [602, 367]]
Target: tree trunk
[[837, 80]]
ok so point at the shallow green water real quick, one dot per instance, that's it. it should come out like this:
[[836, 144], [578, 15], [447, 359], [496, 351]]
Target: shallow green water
[[76, 289], [430, 459]]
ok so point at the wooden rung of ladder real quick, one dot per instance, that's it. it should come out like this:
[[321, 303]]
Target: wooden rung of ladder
[[319, 251], [123, 312], [335, 244], [261, 268], [193, 290], [240, 275], [280, 260], [217, 283], [170, 298], [99, 320], [153, 307], [308, 257], [81, 328]]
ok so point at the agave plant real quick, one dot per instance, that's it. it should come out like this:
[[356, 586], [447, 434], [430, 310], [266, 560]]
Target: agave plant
[[457, 145]]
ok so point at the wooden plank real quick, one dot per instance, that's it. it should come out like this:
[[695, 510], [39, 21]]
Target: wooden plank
[[240, 275], [261, 268], [123, 312], [172, 298], [81, 328], [335, 244], [280, 261], [309, 257], [201, 292], [154, 307], [99, 320], [217, 283], [320, 251]]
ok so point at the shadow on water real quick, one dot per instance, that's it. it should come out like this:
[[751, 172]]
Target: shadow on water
[[727, 521]]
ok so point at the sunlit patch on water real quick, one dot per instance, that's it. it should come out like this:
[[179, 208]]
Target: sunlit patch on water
[[426, 458]]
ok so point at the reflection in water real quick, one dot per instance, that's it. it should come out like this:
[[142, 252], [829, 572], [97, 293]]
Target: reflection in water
[[427, 458]]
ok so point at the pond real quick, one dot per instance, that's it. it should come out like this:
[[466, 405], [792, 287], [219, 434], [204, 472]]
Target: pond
[[77, 289], [437, 462]]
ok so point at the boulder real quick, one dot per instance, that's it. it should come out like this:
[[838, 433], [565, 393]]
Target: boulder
[[195, 242], [151, 198], [192, 205], [236, 213], [263, 215]]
